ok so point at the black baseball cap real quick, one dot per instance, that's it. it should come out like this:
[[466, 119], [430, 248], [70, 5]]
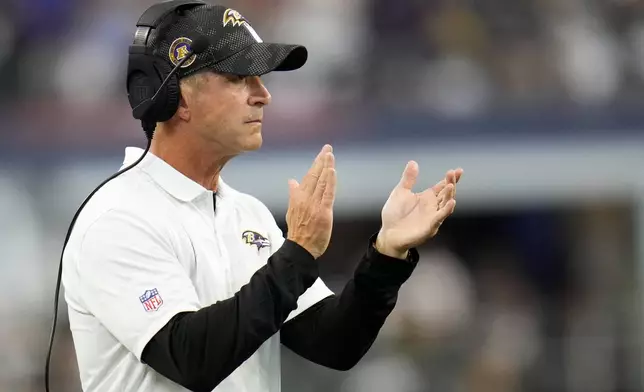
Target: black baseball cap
[[233, 46]]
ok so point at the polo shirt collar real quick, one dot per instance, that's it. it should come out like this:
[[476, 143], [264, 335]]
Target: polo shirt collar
[[169, 178]]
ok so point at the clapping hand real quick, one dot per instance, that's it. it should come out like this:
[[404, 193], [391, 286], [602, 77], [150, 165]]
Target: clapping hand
[[409, 219]]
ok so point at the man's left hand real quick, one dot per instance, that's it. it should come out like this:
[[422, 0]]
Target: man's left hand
[[409, 219]]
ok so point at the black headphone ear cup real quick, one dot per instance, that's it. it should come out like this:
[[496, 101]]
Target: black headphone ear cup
[[145, 75], [143, 80], [168, 99], [140, 87]]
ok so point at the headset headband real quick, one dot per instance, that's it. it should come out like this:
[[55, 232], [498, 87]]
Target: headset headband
[[151, 19], [156, 13]]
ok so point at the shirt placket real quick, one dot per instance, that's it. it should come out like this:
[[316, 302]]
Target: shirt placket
[[219, 225]]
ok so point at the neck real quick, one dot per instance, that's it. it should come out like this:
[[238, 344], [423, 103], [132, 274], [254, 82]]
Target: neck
[[194, 160]]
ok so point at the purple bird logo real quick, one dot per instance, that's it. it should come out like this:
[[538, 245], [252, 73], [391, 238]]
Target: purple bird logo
[[254, 238]]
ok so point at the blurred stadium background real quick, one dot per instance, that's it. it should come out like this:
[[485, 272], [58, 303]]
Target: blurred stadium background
[[534, 285]]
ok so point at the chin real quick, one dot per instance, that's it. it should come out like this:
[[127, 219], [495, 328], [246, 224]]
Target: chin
[[254, 142]]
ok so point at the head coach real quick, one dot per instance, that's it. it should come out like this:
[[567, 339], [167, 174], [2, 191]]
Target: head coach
[[175, 281]]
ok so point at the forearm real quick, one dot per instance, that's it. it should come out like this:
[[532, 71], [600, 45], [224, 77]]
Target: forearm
[[338, 331], [200, 349]]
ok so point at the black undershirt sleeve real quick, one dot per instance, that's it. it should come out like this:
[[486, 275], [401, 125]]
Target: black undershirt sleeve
[[200, 349], [339, 330]]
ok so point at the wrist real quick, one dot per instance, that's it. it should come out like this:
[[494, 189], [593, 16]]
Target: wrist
[[383, 247], [302, 244]]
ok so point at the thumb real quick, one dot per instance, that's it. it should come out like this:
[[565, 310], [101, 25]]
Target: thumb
[[409, 176], [292, 186]]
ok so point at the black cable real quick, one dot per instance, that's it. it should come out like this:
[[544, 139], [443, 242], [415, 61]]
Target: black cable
[[149, 129]]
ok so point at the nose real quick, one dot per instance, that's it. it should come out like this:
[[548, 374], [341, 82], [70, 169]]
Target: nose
[[259, 96]]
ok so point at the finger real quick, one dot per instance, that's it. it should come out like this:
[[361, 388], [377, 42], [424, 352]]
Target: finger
[[330, 161], [445, 195], [318, 162], [328, 197], [410, 174], [441, 184], [459, 174], [321, 185], [444, 212], [438, 187], [292, 186], [450, 177], [312, 176]]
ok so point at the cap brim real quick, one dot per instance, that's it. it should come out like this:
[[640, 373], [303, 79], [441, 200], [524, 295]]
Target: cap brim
[[261, 58]]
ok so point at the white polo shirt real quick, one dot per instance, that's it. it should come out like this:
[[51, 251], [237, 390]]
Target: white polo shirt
[[149, 245]]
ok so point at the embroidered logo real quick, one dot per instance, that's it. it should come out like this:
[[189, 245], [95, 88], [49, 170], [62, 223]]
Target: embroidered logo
[[179, 49], [254, 238], [151, 300], [233, 17]]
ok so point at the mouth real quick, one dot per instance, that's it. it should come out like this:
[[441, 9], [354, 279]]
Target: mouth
[[254, 122]]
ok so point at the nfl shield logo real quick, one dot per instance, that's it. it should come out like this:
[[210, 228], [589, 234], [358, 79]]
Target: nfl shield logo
[[151, 300]]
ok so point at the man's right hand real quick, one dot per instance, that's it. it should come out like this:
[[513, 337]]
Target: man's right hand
[[310, 210]]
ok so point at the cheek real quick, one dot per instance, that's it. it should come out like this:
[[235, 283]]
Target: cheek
[[221, 111], [213, 119], [227, 112], [207, 111]]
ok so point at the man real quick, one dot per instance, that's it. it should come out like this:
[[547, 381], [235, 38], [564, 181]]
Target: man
[[176, 281]]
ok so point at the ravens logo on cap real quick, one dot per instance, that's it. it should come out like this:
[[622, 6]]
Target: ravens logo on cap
[[233, 17]]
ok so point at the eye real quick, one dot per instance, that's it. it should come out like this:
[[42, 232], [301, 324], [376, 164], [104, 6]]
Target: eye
[[236, 78]]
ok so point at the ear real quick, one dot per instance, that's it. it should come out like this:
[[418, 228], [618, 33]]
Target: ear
[[183, 111]]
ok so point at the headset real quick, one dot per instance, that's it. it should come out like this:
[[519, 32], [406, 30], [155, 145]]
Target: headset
[[153, 93]]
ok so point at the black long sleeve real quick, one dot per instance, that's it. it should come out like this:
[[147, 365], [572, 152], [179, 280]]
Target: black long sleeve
[[338, 331], [200, 349]]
